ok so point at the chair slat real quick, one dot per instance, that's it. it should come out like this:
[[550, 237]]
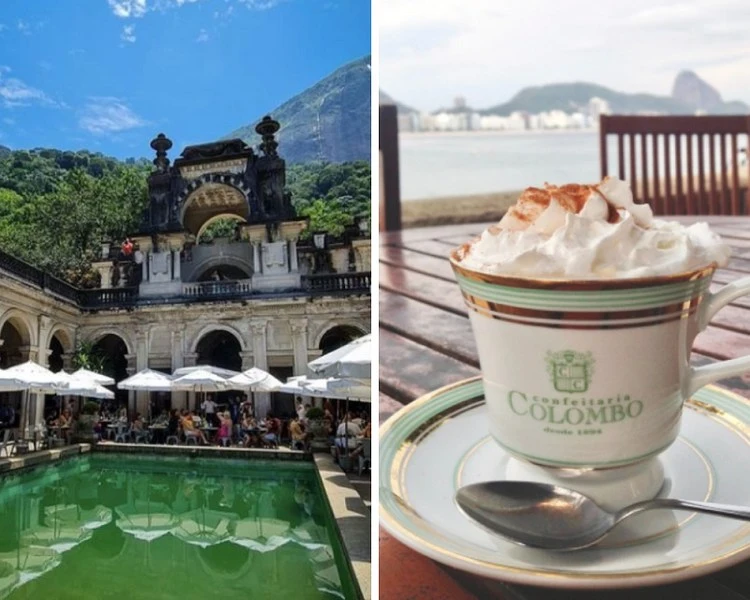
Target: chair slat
[[695, 181]]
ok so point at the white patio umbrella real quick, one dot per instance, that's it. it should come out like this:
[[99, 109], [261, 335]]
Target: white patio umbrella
[[221, 372], [31, 378], [311, 388], [352, 360], [355, 389], [201, 380], [147, 381], [79, 385], [256, 380], [98, 377]]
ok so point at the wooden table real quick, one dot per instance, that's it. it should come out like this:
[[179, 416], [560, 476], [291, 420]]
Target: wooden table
[[426, 342]]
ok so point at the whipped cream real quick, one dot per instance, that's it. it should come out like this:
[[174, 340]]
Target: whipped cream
[[590, 232]]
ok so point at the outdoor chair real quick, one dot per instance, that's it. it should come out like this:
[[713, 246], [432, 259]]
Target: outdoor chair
[[172, 440], [141, 436], [122, 434], [365, 457], [390, 186], [680, 165], [8, 443]]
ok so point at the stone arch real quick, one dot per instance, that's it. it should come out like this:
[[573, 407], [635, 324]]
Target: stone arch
[[214, 262], [98, 334], [22, 323], [196, 199], [59, 343], [328, 326], [64, 335], [218, 327], [216, 218]]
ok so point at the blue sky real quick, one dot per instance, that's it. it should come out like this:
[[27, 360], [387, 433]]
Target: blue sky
[[108, 75]]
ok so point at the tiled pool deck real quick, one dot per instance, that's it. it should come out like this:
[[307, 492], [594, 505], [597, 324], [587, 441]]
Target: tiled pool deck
[[353, 518]]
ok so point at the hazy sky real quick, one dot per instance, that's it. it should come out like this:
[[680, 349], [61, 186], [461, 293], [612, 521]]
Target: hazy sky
[[487, 50]]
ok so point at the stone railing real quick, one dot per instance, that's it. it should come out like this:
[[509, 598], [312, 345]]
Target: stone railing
[[21, 269], [217, 289], [337, 283], [127, 297], [107, 298]]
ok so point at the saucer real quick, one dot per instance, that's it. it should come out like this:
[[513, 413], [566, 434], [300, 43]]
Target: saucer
[[440, 442]]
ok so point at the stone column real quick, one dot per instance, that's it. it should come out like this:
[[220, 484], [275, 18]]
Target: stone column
[[190, 359], [247, 359], [67, 359], [299, 345], [29, 401], [257, 268], [293, 264], [141, 362], [176, 265], [179, 399], [262, 399], [131, 370]]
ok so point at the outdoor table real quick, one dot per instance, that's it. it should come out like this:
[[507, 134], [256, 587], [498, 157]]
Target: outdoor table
[[426, 342], [159, 433]]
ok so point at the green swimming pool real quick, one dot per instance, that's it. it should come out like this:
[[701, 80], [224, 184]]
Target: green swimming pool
[[120, 526]]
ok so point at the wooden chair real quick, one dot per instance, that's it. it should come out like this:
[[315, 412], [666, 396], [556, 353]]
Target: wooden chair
[[390, 187], [672, 163]]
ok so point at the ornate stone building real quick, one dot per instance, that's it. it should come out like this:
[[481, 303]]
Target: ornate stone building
[[267, 297]]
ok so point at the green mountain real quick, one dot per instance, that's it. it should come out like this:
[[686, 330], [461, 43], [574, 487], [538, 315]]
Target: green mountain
[[690, 93], [328, 122]]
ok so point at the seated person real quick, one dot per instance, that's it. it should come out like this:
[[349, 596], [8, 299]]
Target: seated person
[[189, 428], [173, 424], [65, 419], [273, 430], [138, 428], [162, 419], [299, 437], [346, 434]]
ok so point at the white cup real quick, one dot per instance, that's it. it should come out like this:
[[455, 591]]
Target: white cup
[[591, 374]]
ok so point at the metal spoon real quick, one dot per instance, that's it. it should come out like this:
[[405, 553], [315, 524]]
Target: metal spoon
[[555, 518]]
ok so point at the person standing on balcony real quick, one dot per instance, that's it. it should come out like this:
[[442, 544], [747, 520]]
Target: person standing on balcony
[[127, 248]]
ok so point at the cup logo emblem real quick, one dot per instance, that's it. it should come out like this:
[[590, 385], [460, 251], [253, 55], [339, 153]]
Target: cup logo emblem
[[570, 371]]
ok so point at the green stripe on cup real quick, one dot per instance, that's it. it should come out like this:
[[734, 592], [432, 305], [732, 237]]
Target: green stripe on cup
[[584, 301]]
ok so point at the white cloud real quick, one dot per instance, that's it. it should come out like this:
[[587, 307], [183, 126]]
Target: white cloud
[[44, 64], [485, 50], [128, 34], [202, 36], [9, 121], [14, 92], [107, 115], [128, 8], [3, 27], [23, 27], [260, 4]]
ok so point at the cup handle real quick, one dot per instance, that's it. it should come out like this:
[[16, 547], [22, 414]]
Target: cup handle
[[700, 376]]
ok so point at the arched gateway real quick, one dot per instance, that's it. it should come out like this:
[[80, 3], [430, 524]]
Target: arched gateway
[[189, 291]]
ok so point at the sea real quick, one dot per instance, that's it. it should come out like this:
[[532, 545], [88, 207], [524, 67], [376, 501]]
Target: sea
[[465, 163], [437, 165]]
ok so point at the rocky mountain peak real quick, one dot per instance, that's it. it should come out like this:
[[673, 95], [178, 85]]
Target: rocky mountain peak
[[694, 92]]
